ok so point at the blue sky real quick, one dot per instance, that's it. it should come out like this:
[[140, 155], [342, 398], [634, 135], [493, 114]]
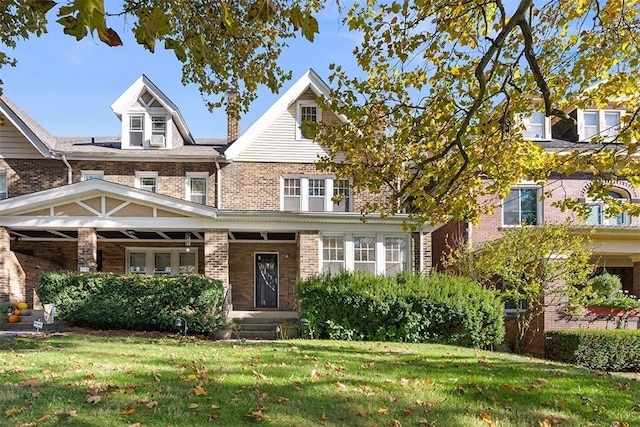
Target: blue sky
[[68, 86]]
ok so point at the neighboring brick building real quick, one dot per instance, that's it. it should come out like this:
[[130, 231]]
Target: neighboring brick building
[[251, 210], [616, 240]]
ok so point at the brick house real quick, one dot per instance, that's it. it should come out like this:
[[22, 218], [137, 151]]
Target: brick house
[[251, 210], [616, 240]]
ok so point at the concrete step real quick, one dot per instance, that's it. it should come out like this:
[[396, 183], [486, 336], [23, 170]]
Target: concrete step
[[25, 323]]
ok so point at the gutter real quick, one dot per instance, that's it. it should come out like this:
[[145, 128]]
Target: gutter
[[218, 181]]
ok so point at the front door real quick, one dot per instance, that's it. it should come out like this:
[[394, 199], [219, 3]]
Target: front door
[[266, 280]]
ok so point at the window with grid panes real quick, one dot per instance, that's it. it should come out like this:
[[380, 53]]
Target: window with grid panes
[[291, 191], [364, 253]]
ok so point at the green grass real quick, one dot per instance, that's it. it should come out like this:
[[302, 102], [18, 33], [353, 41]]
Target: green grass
[[51, 381]]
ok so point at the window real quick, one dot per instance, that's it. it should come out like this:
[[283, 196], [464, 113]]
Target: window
[[292, 193], [598, 215], [136, 130], [197, 187], [374, 253], [341, 195], [603, 123], [147, 181], [521, 206], [307, 112], [315, 194], [534, 126], [158, 130], [511, 308], [3, 184], [394, 248], [332, 254], [164, 261], [364, 254], [89, 175]]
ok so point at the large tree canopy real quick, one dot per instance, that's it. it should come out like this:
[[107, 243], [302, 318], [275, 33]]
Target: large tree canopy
[[223, 45], [434, 122]]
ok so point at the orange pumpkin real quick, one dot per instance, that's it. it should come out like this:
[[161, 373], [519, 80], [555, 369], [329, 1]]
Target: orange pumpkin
[[17, 312], [14, 318]]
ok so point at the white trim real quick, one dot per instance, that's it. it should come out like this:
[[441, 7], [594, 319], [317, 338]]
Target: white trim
[[189, 175], [600, 123], [146, 174], [299, 106], [93, 174], [150, 260]]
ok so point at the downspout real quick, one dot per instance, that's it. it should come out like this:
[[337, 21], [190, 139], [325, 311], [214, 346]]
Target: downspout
[[421, 251], [70, 170], [218, 181]]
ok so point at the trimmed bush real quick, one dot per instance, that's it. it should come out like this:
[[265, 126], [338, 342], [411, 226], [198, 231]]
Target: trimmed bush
[[410, 308], [605, 350], [134, 302]]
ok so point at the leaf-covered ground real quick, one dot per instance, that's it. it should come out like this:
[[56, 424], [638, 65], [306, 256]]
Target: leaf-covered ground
[[84, 380]]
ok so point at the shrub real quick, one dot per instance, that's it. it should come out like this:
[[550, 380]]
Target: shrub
[[411, 308], [606, 350], [134, 302]]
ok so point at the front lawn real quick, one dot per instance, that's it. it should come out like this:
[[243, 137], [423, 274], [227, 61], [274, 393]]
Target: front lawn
[[81, 380]]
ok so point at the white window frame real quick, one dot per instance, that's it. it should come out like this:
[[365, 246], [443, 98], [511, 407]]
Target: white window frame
[[344, 204], [379, 245], [140, 175], [188, 191], [621, 219], [299, 107], [333, 246], [396, 252], [608, 133], [4, 184], [306, 190], [87, 175], [539, 206], [136, 115], [289, 188], [527, 122], [173, 269]]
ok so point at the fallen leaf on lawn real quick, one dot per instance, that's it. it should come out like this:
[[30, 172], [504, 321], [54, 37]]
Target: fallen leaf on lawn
[[213, 416], [259, 375], [258, 415], [44, 419], [486, 418], [31, 424], [393, 399], [396, 423], [191, 377], [545, 423], [619, 424], [235, 400], [263, 396], [94, 399], [561, 403], [324, 417], [427, 423], [409, 411], [429, 382], [128, 411], [200, 391], [36, 394], [30, 383], [542, 381], [383, 410], [193, 405], [12, 412], [214, 406], [363, 414], [297, 386], [282, 399], [340, 386], [152, 404], [135, 425]]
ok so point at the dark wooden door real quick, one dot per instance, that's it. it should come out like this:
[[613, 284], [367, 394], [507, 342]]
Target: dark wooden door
[[266, 280]]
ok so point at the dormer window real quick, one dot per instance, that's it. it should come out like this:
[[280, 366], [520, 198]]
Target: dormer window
[[307, 112], [158, 131], [534, 126], [136, 130], [600, 122]]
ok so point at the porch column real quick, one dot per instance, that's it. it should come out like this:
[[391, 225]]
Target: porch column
[[5, 260], [87, 250], [421, 248], [309, 255], [216, 256], [635, 289]]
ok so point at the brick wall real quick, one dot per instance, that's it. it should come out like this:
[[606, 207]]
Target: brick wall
[[449, 235], [25, 176], [25, 275], [216, 253], [87, 249], [64, 254], [5, 264], [421, 249], [309, 255], [242, 273]]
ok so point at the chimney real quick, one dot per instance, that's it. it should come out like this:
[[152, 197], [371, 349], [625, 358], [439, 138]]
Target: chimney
[[233, 117]]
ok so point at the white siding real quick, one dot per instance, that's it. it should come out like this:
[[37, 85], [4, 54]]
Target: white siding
[[13, 144]]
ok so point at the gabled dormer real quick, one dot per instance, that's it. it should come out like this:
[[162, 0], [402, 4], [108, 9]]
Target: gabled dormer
[[150, 120], [536, 126]]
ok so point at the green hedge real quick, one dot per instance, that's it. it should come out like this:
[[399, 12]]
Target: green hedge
[[134, 302], [606, 350], [410, 308]]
